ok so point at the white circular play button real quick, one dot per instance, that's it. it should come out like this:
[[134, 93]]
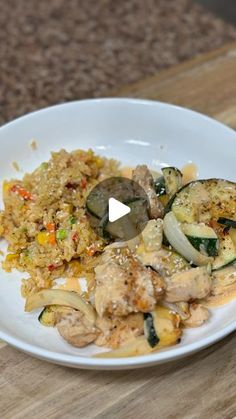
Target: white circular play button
[[117, 208]]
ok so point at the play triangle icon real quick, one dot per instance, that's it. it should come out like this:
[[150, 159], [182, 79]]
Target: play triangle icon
[[116, 209]]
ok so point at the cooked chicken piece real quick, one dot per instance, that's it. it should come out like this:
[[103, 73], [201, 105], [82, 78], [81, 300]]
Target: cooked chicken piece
[[188, 285], [158, 284], [76, 329], [124, 285], [116, 331], [198, 315], [144, 178], [111, 332]]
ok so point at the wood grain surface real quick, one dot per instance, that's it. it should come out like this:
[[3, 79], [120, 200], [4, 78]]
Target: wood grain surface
[[206, 84], [201, 386]]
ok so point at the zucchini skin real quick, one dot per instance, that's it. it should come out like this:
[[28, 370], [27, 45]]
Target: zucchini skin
[[209, 245], [47, 316], [227, 222], [102, 227], [40, 317], [151, 334], [202, 237], [95, 206], [91, 212], [168, 207], [226, 254], [170, 202]]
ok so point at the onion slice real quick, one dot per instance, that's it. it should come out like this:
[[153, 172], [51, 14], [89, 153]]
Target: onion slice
[[60, 297], [180, 243]]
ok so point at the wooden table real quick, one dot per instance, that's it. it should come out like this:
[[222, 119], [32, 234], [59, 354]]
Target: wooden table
[[198, 387]]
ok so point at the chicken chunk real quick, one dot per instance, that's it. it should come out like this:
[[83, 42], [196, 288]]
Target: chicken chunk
[[124, 285], [111, 332], [198, 315], [144, 178], [188, 285], [116, 331], [76, 329]]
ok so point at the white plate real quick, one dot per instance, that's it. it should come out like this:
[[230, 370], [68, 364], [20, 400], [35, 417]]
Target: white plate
[[134, 131]]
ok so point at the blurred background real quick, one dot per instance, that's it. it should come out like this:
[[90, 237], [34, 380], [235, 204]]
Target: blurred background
[[53, 51]]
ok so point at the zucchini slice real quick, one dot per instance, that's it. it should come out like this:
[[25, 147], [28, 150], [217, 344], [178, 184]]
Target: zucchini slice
[[169, 333], [227, 253], [118, 229], [149, 330], [47, 317], [97, 203], [204, 200], [202, 237], [48, 297], [138, 215], [180, 243], [226, 222], [128, 226], [114, 230], [173, 180], [102, 227]]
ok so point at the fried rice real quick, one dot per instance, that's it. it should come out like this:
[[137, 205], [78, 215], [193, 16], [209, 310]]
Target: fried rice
[[44, 219]]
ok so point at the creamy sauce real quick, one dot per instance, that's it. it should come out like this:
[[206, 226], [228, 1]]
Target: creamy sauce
[[223, 287], [126, 171], [190, 172], [220, 300]]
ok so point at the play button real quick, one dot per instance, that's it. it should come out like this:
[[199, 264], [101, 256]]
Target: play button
[[116, 210]]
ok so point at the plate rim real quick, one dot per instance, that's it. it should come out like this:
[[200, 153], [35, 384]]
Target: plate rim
[[133, 101], [171, 353]]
